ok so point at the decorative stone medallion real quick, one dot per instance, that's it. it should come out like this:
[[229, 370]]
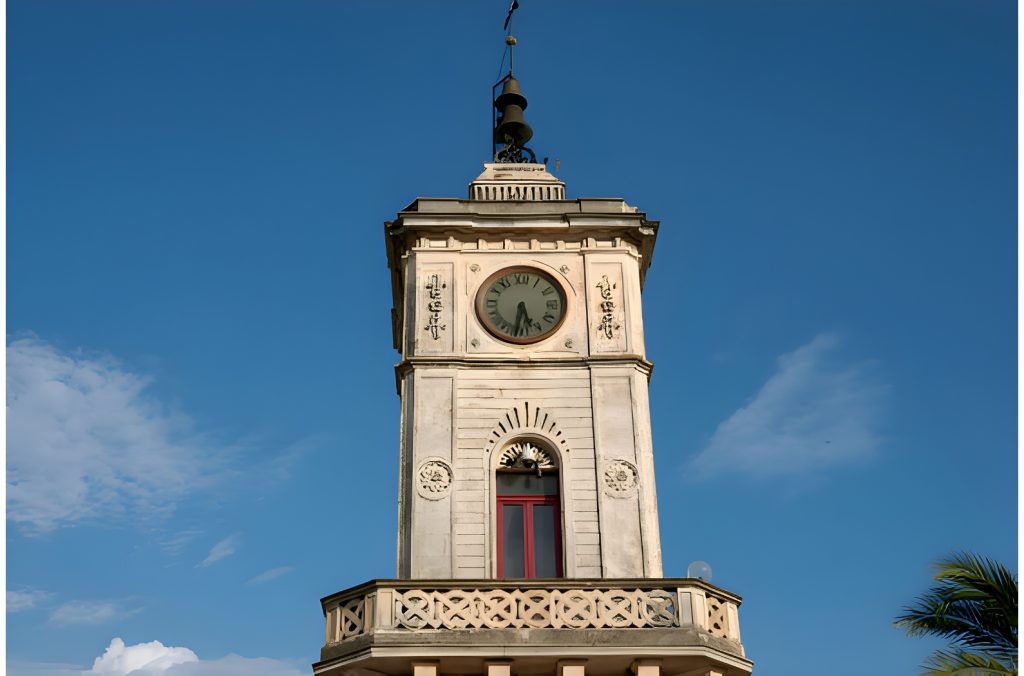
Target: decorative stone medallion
[[434, 480], [620, 479]]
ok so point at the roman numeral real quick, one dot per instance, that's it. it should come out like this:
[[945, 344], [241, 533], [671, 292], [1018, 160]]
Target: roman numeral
[[548, 317], [548, 291]]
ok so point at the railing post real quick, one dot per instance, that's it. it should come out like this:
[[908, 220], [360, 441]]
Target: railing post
[[384, 611], [684, 606], [699, 607], [369, 612], [732, 615], [329, 623]]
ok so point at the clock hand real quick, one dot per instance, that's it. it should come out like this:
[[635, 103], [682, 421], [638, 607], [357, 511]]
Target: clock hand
[[520, 313], [529, 322]]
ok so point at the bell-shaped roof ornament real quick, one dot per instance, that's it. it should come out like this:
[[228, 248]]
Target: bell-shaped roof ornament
[[511, 131], [511, 93]]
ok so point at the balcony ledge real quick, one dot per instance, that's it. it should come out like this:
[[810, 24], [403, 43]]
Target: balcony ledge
[[382, 624]]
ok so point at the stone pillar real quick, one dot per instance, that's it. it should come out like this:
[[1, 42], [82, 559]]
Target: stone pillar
[[646, 667], [571, 668], [705, 671], [498, 668], [426, 668]]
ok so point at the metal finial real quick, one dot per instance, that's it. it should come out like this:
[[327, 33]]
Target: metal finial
[[510, 129]]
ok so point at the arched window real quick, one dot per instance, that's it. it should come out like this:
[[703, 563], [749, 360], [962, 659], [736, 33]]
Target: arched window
[[528, 513]]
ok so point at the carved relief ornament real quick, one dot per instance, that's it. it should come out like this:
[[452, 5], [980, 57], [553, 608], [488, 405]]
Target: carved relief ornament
[[608, 325], [435, 306], [620, 478], [434, 479]]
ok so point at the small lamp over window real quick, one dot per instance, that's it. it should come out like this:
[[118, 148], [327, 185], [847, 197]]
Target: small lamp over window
[[526, 455], [529, 456]]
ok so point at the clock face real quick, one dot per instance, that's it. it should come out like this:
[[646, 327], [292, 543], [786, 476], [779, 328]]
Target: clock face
[[521, 305]]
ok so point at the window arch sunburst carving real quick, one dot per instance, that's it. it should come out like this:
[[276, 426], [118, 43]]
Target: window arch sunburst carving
[[524, 418]]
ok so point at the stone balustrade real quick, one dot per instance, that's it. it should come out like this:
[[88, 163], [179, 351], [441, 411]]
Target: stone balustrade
[[634, 604]]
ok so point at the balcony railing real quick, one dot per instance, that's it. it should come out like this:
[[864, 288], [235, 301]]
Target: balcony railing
[[422, 605]]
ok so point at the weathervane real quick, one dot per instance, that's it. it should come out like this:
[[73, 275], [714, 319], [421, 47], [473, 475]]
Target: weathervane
[[510, 130]]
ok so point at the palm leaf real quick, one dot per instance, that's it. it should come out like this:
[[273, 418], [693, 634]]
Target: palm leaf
[[950, 662], [973, 604]]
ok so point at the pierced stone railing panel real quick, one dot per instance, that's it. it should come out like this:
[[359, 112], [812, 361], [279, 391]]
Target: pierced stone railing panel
[[718, 619], [535, 608], [346, 620], [401, 605]]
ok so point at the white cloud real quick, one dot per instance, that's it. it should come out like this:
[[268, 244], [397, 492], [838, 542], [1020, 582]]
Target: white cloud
[[156, 659], [91, 612], [814, 413], [269, 575], [174, 544], [235, 665], [85, 441], [151, 657], [221, 550], [25, 599], [19, 668]]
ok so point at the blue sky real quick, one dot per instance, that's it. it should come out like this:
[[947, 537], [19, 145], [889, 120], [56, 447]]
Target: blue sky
[[202, 422]]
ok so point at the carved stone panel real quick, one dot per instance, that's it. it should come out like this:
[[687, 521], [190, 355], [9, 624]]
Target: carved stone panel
[[606, 299], [434, 325], [536, 608]]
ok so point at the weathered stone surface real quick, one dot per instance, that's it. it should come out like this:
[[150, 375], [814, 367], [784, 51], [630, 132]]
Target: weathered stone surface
[[681, 648], [679, 619], [516, 182], [466, 394]]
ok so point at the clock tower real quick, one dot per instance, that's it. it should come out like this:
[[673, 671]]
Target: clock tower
[[528, 538]]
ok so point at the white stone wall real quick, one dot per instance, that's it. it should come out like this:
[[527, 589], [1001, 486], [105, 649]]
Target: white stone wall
[[625, 469], [498, 405], [583, 390]]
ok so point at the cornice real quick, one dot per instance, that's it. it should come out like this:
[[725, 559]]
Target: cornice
[[405, 366]]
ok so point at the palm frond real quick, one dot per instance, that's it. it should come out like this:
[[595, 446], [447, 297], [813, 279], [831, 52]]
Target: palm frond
[[973, 604], [949, 662]]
